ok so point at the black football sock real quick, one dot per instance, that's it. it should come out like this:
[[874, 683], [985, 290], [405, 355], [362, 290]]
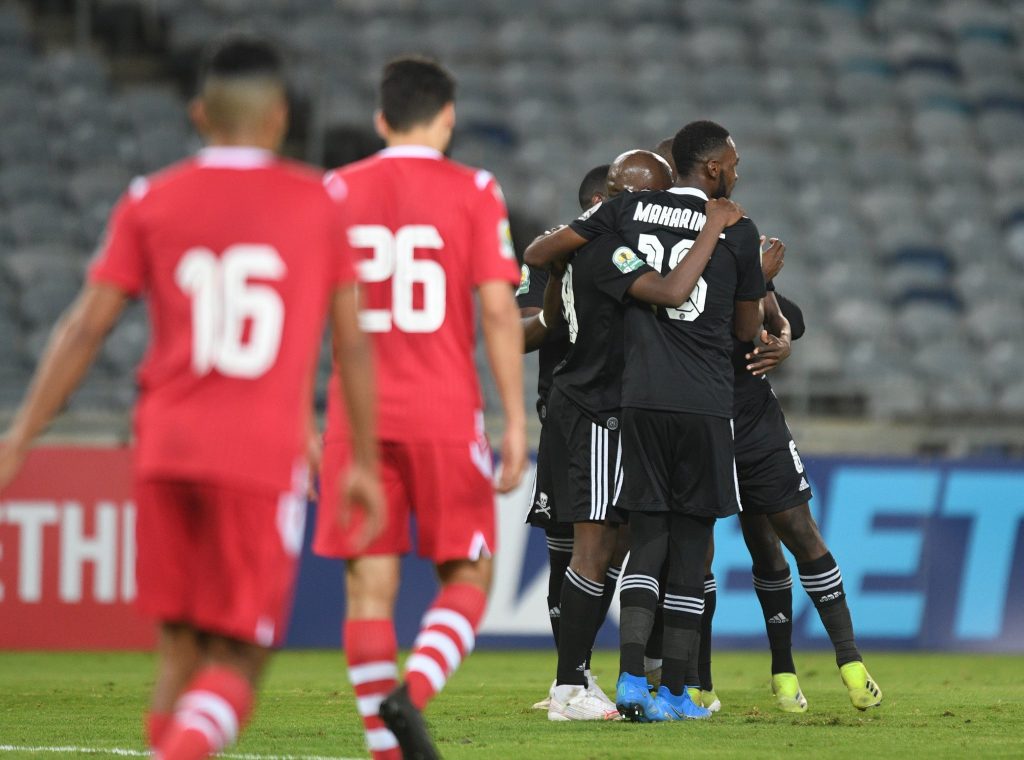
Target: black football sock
[[704, 658], [611, 582], [581, 605], [683, 608], [654, 643], [640, 589], [559, 555], [774, 589], [636, 620], [823, 582]]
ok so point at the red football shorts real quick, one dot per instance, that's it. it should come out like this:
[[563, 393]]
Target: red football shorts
[[219, 558], [446, 486]]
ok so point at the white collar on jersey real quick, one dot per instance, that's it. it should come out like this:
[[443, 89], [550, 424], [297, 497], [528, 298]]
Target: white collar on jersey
[[410, 151], [689, 191], [234, 157]]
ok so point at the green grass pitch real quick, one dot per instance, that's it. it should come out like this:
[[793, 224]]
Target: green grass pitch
[[936, 705]]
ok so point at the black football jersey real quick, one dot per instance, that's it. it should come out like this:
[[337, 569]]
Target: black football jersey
[[680, 359], [749, 390], [532, 283], [593, 292]]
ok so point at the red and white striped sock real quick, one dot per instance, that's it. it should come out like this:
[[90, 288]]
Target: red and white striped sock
[[371, 647], [208, 716], [446, 638]]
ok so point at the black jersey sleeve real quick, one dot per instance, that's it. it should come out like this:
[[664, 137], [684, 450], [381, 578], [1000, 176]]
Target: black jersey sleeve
[[746, 245], [532, 282], [602, 219], [616, 266], [794, 314]]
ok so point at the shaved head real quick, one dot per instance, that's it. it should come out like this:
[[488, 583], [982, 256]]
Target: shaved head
[[637, 170], [242, 90], [664, 149]]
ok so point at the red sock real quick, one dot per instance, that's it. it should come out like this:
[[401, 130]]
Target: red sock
[[157, 724], [446, 638], [208, 716], [370, 648]]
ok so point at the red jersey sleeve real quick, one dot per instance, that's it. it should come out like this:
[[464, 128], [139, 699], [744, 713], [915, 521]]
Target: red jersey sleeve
[[494, 257], [343, 270], [120, 260]]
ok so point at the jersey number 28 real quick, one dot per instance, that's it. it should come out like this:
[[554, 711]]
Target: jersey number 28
[[224, 302], [393, 260]]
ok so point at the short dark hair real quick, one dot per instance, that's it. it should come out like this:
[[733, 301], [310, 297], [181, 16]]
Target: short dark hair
[[240, 54], [593, 182], [695, 143], [413, 90]]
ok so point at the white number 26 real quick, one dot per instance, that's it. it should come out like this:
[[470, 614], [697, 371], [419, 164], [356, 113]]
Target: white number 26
[[224, 302], [393, 259]]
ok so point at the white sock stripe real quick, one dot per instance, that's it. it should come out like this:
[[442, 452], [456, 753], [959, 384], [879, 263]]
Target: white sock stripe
[[782, 583], [761, 587], [442, 644], [680, 598], [454, 620], [823, 586], [710, 586], [560, 544], [369, 672], [832, 571], [380, 740], [828, 580], [596, 585], [214, 707], [640, 582], [205, 725], [428, 667], [685, 610], [584, 585], [614, 573], [369, 706]]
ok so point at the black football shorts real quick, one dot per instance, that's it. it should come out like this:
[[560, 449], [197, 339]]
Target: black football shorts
[[768, 466], [581, 462], [677, 462]]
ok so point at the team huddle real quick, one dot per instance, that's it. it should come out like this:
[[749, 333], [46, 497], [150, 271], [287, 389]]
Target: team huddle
[[656, 319]]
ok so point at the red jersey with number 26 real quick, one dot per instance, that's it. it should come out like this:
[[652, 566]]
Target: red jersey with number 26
[[426, 231], [237, 254]]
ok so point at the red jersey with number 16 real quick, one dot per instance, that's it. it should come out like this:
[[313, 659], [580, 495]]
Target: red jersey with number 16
[[426, 231], [237, 254]]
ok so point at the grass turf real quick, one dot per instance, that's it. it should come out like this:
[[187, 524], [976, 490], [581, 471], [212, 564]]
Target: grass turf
[[935, 706]]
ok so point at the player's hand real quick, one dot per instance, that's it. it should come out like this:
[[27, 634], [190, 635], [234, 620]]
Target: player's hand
[[766, 357], [724, 212], [513, 458], [12, 456], [545, 233], [772, 258], [362, 493], [314, 456]]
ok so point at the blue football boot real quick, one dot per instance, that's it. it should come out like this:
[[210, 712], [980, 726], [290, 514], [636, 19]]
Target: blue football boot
[[681, 707], [635, 703]]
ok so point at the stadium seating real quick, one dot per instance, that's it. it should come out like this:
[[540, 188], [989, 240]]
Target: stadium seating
[[882, 139]]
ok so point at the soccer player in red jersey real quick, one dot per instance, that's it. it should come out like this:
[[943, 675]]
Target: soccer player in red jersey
[[430, 232], [241, 257]]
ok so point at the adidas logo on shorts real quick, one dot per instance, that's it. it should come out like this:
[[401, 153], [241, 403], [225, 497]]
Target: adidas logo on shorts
[[804, 485], [778, 618]]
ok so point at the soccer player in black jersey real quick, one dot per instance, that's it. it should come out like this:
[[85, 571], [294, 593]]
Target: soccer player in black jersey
[[544, 331], [584, 412], [774, 491], [679, 474]]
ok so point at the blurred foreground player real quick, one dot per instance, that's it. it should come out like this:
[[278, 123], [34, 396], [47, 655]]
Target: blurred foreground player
[[431, 232], [241, 256]]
